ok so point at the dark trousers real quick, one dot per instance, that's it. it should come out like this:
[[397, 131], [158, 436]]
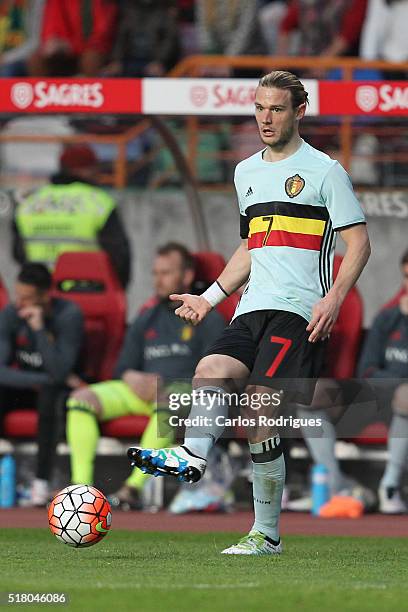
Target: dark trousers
[[49, 401]]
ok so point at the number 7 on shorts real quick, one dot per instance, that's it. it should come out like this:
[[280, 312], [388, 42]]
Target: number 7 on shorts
[[286, 344]]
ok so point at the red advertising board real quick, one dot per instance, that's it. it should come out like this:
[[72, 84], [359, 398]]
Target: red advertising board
[[363, 98], [192, 96], [70, 95]]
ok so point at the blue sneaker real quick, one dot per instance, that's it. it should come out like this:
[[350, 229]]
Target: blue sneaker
[[177, 461]]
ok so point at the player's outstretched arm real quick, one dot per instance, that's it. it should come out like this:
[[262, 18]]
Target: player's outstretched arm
[[326, 311], [195, 307], [237, 270]]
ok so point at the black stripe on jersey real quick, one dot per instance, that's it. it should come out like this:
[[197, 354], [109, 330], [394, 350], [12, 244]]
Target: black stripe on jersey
[[343, 227], [324, 240], [287, 209], [243, 226], [327, 263], [324, 258]]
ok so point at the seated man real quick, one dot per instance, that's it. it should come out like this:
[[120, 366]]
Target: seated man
[[158, 346], [385, 355], [42, 336]]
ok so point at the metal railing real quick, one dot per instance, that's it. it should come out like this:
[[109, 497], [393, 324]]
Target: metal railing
[[197, 65]]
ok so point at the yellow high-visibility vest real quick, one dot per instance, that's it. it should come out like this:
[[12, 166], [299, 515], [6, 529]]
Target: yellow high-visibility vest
[[60, 218]]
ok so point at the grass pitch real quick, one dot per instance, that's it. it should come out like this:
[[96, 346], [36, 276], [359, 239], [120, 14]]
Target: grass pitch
[[180, 572]]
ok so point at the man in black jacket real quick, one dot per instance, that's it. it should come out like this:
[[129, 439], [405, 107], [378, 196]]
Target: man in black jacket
[[42, 336], [71, 213], [385, 355]]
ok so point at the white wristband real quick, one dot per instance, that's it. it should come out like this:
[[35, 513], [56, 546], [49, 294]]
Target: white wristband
[[214, 294]]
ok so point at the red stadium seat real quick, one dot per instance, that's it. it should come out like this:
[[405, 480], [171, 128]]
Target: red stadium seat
[[90, 281], [125, 427], [345, 339], [4, 297], [21, 424], [372, 434]]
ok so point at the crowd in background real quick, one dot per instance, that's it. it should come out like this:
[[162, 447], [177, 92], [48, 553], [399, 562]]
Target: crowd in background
[[136, 38]]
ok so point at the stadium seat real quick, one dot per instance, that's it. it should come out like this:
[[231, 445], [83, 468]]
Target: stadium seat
[[374, 434], [4, 297], [125, 427], [21, 424], [90, 281]]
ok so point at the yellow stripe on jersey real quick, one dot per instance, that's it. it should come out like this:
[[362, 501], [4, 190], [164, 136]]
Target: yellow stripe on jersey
[[297, 225]]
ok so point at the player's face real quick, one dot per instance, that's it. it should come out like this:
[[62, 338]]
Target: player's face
[[404, 270], [276, 118], [169, 275], [28, 295]]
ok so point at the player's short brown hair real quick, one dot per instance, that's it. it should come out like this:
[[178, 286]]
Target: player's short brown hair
[[404, 258], [187, 258], [281, 79]]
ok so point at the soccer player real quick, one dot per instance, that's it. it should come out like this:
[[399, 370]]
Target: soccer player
[[293, 200]]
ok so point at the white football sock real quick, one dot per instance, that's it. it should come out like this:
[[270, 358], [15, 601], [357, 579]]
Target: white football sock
[[268, 465], [207, 405]]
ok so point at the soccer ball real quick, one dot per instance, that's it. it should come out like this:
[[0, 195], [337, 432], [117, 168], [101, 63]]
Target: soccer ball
[[80, 516]]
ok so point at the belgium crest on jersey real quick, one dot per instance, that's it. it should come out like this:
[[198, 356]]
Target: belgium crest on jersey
[[294, 185]]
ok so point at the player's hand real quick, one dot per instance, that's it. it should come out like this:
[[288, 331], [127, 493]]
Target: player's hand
[[193, 308], [73, 381], [324, 315], [34, 316]]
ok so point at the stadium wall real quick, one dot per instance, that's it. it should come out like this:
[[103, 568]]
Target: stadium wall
[[153, 218]]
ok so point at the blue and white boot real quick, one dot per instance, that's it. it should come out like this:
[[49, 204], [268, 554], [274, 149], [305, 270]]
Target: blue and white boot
[[178, 461]]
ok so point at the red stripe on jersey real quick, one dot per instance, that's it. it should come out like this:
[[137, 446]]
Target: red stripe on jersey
[[290, 239]]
